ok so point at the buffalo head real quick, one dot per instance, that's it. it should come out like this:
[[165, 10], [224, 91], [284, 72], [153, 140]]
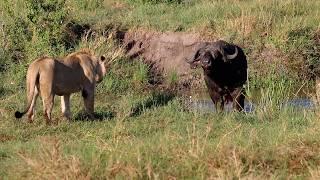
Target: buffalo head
[[205, 54]]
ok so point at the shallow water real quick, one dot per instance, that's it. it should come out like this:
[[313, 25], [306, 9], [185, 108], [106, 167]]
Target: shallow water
[[200, 101], [206, 105], [301, 102]]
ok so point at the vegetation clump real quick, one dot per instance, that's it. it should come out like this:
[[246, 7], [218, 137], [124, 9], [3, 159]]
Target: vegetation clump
[[143, 131]]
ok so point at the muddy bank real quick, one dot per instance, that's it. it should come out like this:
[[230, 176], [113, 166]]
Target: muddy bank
[[165, 52]]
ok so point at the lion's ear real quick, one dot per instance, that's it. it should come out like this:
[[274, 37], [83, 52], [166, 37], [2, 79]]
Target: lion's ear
[[102, 58]]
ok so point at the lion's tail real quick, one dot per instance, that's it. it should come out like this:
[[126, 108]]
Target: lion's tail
[[32, 79]]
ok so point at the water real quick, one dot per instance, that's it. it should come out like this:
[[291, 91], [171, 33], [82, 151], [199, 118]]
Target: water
[[206, 105], [202, 102], [301, 102]]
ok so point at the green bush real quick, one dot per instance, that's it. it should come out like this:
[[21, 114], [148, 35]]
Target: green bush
[[158, 1], [47, 20], [14, 35], [37, 27], [303, 47], [90, 4]]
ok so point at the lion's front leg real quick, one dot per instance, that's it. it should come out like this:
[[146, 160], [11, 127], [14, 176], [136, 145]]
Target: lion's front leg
[[65, 106], [88, 98]]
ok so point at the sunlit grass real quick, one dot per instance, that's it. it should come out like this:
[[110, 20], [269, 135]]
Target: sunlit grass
[[146, 134], [151, 133]]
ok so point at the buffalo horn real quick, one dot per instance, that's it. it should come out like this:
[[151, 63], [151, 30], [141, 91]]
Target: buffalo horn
[[234, 55]]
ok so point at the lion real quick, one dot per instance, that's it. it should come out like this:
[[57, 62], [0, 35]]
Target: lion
[[79, 71]]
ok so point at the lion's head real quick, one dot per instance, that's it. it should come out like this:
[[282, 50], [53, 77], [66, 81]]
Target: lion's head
[[100, 69]]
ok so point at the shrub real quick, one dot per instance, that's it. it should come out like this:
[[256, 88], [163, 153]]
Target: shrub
[[90, 4], [158, 1], [14, 35], [35, 28], [47, 20], [303, 45]]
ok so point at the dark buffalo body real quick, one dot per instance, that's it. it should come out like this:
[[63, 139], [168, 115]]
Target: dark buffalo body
[[225, 72]]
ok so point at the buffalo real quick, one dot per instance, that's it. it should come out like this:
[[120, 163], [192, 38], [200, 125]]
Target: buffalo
[[225, 72]]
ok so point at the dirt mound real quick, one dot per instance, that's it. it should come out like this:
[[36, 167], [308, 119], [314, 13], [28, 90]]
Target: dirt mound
[[166, 52]]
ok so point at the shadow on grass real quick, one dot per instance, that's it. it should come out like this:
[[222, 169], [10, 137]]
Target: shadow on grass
[[156, 100], [2, 91], [98, 116]]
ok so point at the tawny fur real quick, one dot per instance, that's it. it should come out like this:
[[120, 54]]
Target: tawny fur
[[79, 71]]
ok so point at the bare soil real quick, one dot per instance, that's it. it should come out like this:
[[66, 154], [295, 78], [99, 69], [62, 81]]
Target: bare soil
[[165, 52]]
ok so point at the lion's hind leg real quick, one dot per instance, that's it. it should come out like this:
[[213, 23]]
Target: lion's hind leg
[[47, 107], [31, 110], [46, 90]]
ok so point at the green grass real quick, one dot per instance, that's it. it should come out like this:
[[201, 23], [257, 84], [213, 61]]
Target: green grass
[[144, 131], [288, 29], [152, 134]]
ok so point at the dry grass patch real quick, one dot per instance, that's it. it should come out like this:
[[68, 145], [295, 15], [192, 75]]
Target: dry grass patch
[[244, 25], [49, 163]]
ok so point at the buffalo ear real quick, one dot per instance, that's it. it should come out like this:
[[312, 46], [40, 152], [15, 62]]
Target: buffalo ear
[[196, 52], [212, 53], [222, 53], [192, 58], [196, 55], [102, 58]]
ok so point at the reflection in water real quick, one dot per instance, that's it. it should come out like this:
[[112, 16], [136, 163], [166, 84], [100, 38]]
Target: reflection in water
[[206, 105], [303, 103]]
